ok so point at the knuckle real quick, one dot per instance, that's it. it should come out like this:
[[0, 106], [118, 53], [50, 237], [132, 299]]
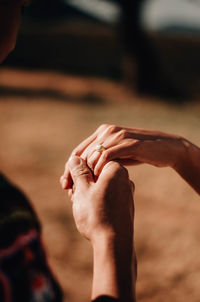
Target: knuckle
[[90, 163], [120, 173], [122, 134], [82, 172], [103, 127], [75, 151], [105, 156], [111, 129], [123, 171]]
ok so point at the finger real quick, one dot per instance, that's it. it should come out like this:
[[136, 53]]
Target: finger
[[93, 159], [128, 162], [143, 134], [117, 152], [70, 194], [112, 140], [84, 144], [90, 150], [67, 183], [106, 135], [63, 181], [119, 143], [80, 150], [111, 170], [66, 180], [100, 133], [80, 172], [92, 155]]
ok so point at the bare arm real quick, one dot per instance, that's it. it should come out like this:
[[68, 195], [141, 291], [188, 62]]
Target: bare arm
[[189, 165], [103, 213], [112, 274], [138, 146]]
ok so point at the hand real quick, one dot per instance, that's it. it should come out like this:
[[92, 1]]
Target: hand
[[130, 147], [103, 211], [104, 206]]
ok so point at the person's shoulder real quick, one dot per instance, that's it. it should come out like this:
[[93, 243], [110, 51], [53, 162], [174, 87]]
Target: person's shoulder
[[16, 214], [22, 256]]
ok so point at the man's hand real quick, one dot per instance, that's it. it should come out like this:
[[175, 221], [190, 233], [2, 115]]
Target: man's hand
[[104, 206], [103, 211]]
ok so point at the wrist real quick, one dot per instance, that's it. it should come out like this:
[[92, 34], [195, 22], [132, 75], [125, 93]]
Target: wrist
[[112, 243], [112, 240], [180, 153], [113, 267]]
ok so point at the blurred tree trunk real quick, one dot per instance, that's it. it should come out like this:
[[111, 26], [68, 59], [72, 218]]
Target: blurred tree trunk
[[138, 48]]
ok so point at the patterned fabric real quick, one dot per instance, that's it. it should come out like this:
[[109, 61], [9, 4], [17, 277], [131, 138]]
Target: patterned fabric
[[24, 273]]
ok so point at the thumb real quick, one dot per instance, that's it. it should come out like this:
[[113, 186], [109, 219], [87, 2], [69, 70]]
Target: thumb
[[80, 173]]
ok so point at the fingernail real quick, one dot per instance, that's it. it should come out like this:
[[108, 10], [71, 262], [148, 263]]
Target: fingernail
[[64, 183], [75, 161]]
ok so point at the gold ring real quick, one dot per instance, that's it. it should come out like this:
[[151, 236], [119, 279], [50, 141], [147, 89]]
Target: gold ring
[[100, 148]]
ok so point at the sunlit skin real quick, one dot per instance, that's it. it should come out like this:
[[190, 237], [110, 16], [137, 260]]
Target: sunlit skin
[[104, 212], [132, 146]]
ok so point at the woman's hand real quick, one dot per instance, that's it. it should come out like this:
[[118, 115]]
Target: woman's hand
[[130, 147]]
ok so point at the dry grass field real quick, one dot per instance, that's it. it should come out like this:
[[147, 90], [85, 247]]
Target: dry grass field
[[43, 116]]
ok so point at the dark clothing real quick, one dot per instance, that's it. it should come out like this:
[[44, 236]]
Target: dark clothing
[[24, 273]]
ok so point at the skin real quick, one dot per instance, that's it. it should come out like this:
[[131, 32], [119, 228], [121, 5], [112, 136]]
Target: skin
[[138, 146], [103, 212]]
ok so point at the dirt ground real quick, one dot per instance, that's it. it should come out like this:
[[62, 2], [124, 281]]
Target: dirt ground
[[43, 116]]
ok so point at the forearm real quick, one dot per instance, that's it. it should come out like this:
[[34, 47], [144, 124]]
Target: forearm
[[188, 165], [112, 275]]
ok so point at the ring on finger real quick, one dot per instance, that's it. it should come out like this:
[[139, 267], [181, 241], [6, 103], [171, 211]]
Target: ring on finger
[[100, 148]]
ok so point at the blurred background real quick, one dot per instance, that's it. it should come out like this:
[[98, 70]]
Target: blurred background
[[81, 63]]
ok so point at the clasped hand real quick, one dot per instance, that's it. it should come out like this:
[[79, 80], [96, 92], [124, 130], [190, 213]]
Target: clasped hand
[[129, 147], [104, 206], [103, 211]]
